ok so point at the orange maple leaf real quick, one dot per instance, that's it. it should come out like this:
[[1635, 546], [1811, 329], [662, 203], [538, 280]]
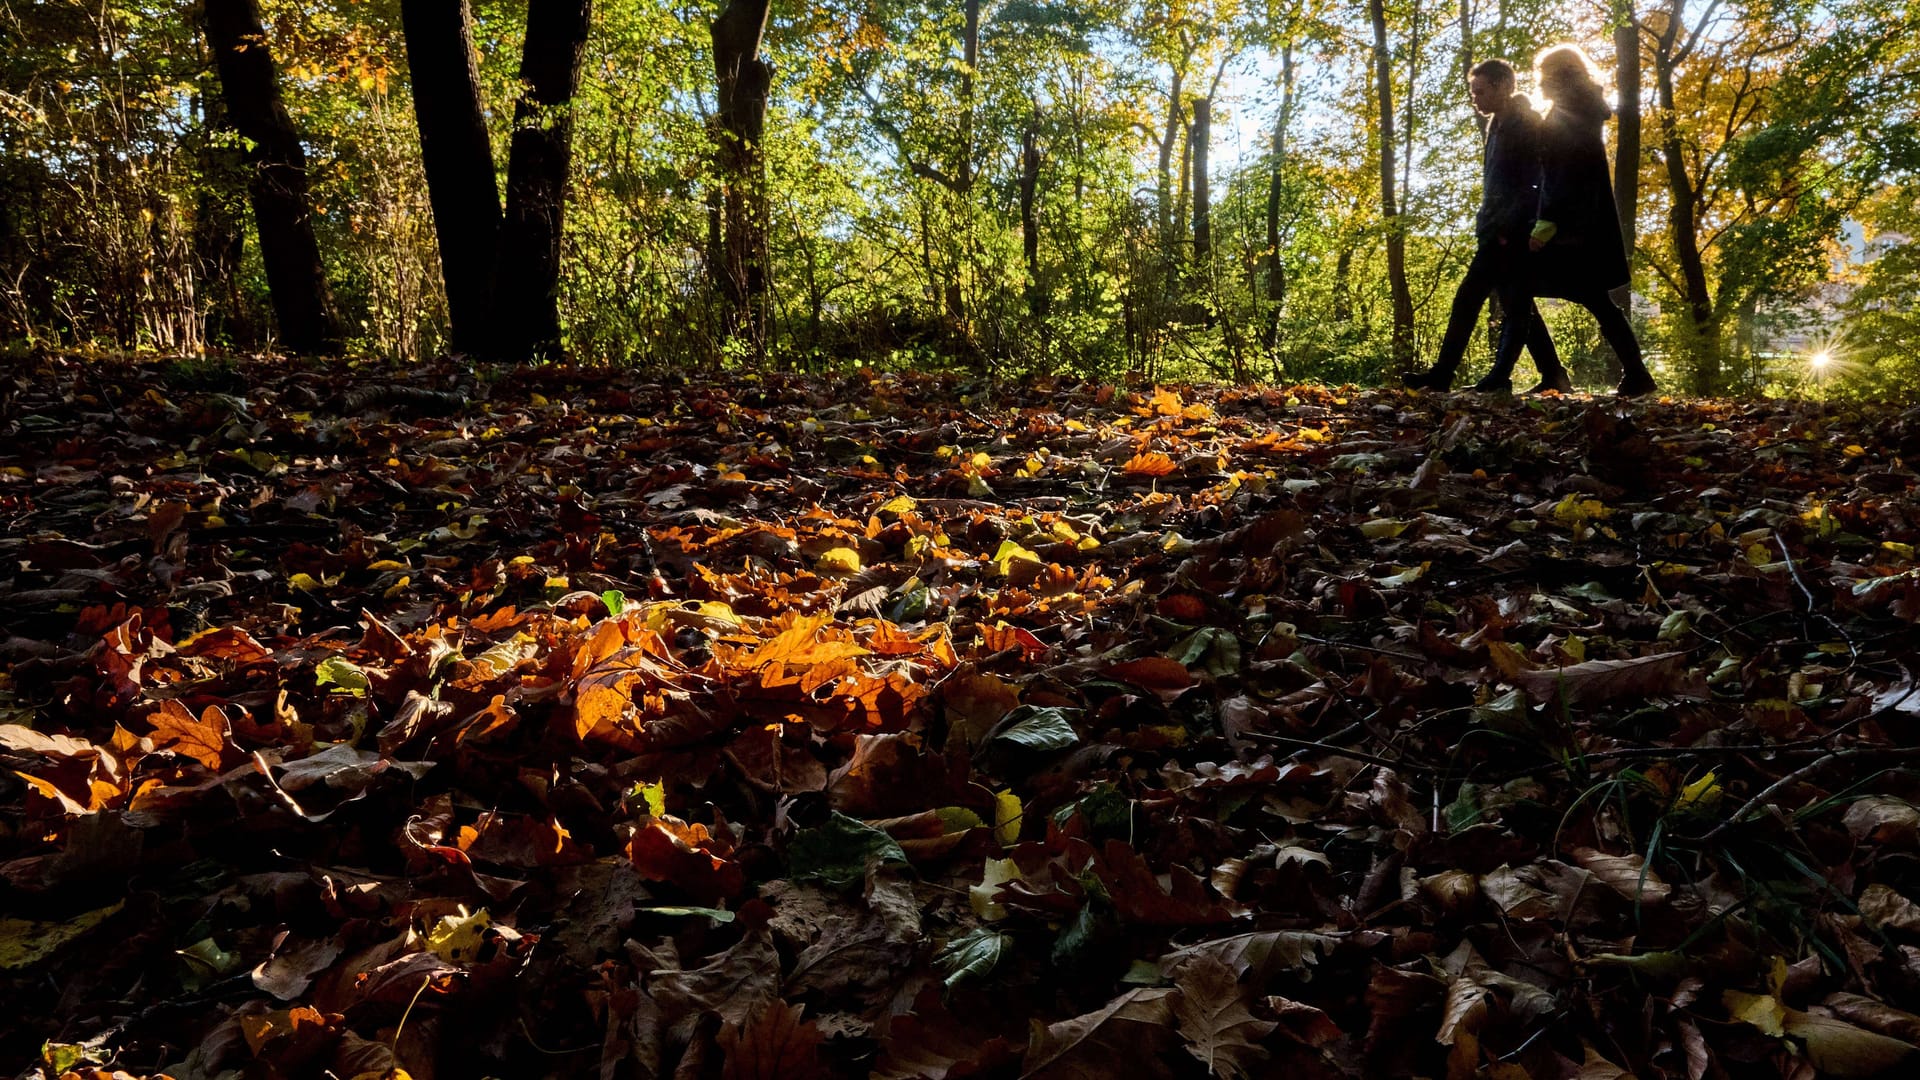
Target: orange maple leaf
[[1151, 463]]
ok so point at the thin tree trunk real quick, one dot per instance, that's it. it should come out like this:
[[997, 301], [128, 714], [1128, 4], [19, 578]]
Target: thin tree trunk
[[1276, 267], [457, 156], [527, 278], [963, 166], [970, 64], [1163, 191], [1390, 215], [743, 79], [1202, 187], [1030, 159], [276, 180], [1682, 220], [1626, 156]]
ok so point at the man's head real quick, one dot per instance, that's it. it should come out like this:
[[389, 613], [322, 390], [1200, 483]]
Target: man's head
[[1490, 85]]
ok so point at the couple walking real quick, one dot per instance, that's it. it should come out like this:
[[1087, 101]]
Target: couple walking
[[1547, 226]]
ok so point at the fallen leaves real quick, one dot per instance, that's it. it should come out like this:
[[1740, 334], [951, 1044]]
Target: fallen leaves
[[801, 726]]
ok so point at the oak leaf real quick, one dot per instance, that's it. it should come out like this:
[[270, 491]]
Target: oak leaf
[[205, 739]]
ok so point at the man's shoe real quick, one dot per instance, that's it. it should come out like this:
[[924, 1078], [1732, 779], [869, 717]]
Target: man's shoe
[[1557, 381], [1494, 384], [1430, 379], [1636, 386]]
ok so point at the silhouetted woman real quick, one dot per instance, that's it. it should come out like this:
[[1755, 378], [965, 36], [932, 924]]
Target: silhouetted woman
[[1578, 252]]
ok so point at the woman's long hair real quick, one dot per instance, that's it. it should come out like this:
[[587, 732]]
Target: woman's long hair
[[1567, 77]]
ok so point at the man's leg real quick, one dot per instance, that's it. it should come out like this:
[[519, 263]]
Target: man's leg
[[1522, 327], [1546, 358], [1468, 299]]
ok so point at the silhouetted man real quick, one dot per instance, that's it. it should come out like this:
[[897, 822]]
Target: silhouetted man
[[1509, 202]]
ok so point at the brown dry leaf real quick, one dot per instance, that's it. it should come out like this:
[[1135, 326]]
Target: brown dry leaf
[[926, 1045], [1255, 958], [1840, 1049], [26, 740], [1886, 909], [1139, 897], [775, 1044], [1624, 874], [1123, 1038], [670, 850], [288, 974], [1598, 681], [205, 739], [1874, 1015], [1889, 822], [1211, 1013]]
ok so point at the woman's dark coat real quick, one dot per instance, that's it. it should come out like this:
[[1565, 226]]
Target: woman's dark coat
[[1586, 254]]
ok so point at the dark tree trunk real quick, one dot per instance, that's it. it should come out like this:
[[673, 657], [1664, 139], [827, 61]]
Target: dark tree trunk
[[276, 180], [743, 79], [527, 277], [1030, 220], [1390, 215], [458, 158], [1202, 189], [1276, 267]]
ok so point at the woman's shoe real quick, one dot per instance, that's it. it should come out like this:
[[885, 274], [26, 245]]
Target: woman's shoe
[[1636, 385], [1430, 379], [1558, 381], [1494, 384]]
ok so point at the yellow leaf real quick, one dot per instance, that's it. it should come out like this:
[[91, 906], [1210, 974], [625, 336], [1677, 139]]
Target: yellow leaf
[[1763, 1011], [456, 938], [26, 941], [1009, 551], [1383, 528], [899, 504], [997, 873], [1007, 813], [1701, 795], [304, 582], [840, 560]]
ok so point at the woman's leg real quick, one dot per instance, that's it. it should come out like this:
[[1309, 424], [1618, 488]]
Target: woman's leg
[[1618, 332]]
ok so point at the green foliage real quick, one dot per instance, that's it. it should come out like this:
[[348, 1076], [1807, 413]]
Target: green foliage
[[902, 227]]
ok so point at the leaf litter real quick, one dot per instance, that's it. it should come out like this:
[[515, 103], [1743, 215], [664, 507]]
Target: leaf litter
[[539, 723]]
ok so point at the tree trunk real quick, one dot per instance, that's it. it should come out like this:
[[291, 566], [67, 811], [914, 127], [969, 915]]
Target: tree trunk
[[1202, 187], [457, 156], [1276, 267], [1163, 192], [743, 79], [527, 277], [1683, 222], [970, 63], [1626, 157], [1030, 219], [1390, 215], [276, 180]]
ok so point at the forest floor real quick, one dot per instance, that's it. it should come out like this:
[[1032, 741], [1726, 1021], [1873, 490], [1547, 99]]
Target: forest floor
[[361, 725]]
